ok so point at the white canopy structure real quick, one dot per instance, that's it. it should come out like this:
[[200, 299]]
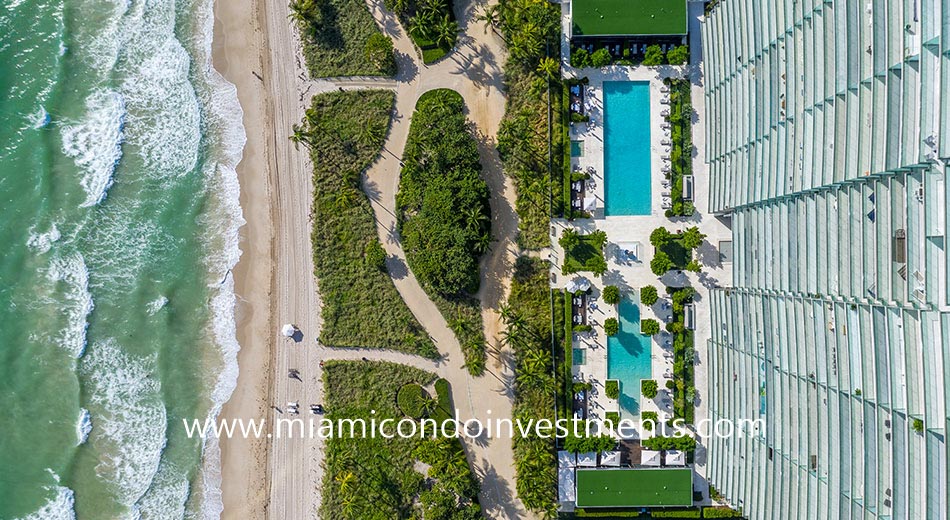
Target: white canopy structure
[[650, 458], [566, 487], [587, 460], [566, 459], [675, 458], [610, 458], [590, 203], [288, 330], [577, 284]]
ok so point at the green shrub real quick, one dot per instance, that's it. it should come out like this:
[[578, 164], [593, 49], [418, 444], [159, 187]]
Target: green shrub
[[653, 56], [685, 443], [720, 512], [678, 55], [581, 387], [375, 255], [649, 388], [611, 327], [660, 236], [612, 389], [584, 444], [580, 58], [614, 417], [660, 263], [918, 425], [648, 295], [335, 37], [611, 295], [412, 400], [583, 328], [601, 58], [676, 513], [694, 266], [649, 327], [649, 420], [379, 51]]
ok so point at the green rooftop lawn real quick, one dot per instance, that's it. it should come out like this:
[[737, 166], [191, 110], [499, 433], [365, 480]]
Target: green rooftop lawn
[[634, 487], [629, 17]]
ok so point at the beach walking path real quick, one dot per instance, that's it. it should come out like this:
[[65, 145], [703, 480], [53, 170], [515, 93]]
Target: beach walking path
[[275, 93]]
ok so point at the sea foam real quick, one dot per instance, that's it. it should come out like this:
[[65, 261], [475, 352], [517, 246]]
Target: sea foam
[[83, 426], [58, 507], [71, 274], [126, 402], [95, 143]]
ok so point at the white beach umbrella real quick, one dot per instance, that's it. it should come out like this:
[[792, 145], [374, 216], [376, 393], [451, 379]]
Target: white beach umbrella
[[288, 330], [583, 284]]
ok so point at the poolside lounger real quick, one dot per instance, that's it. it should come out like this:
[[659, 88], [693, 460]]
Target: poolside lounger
[[665, 142]]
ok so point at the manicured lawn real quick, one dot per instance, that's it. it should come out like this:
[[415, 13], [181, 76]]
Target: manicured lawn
[[334, 34], [443, 215], [374, 478], [361, 307], [679, 254], [634, 487], [629, 17]]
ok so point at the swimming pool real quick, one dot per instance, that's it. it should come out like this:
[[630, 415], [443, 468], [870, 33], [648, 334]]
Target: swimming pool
[[629, 357], [627, 148]]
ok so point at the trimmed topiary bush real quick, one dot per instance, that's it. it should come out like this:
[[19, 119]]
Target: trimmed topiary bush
[[649, 388], [611, 326], [611, 295], [720, 512], [648, 295], [612, 389], [411, 399], [649, 420], [614, 417], [649, 327]]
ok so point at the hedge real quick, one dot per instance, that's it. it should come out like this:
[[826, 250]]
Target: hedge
[[410, 399]]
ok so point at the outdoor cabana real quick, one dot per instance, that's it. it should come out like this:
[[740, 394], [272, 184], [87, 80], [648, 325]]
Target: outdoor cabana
[[650, 458], [675, 458], [566, 459], [587, 460], [610, 458]]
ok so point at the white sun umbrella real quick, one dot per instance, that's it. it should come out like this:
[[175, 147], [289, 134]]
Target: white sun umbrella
[[288, 330], [577, 284]]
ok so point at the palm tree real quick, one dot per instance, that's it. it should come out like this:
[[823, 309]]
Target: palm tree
[[446, 32], [345, 197], [548, 67], [370, 134], [490, 17], [483, 243], [429, 405]]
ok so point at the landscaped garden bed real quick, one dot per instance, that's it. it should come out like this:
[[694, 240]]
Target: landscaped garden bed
[[681, 154], [443, 215], [430, 24], [370, 477], [675, 250], [340, 38], [361, 307], [583, 252]]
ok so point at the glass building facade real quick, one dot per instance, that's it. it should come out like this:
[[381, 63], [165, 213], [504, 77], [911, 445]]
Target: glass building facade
[[828, 142]]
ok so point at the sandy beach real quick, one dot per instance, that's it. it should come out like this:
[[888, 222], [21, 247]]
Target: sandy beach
[[238, 41]]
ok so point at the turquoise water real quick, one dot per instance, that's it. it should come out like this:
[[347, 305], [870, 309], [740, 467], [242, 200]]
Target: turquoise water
[[629, 357], [577, 148], [120, 217], [627, 148]]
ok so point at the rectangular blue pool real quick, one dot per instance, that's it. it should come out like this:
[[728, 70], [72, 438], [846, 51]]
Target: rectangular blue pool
[[627, 148], [629, 357]]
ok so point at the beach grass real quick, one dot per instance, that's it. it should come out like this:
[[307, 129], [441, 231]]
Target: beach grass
[[335, 35], [371, 477], [361, 307]]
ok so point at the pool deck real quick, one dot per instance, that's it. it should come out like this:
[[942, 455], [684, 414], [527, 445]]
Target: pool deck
[[629, 276]]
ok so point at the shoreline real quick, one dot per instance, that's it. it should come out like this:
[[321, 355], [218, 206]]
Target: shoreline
[[237, 55]]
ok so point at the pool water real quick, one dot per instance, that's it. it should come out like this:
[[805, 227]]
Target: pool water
[[580, 356], [627, 148], [629, 357], [577, 148]]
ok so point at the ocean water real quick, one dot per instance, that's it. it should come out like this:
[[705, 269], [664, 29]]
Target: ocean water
[[120, 216]]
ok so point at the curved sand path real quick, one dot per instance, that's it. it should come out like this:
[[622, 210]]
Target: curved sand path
[[283, 479]]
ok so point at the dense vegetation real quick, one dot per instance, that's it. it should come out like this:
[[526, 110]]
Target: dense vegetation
[[370, 477], [675, 250], [648, 295], [611, 295], [361, 307], [652, 57], [443, 215], [528, 323], [430, 23], [531, 138], [681, 136], [340, 38]]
